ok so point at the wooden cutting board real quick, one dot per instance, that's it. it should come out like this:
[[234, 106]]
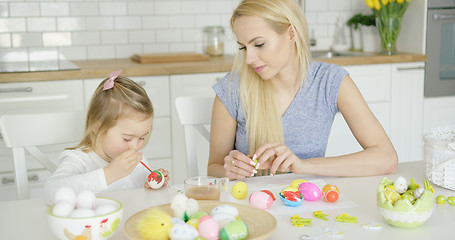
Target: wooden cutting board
[[169, 57]]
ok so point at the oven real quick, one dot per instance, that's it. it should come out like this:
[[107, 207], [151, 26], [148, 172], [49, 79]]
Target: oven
[[440, 49]]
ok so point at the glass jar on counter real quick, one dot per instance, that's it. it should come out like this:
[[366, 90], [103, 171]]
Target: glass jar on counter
[[214, 40]]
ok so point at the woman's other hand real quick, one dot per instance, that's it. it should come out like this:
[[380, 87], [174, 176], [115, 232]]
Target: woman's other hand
[[238, 166], [283, 159]]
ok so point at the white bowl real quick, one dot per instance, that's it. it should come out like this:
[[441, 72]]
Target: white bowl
[[98, 227]]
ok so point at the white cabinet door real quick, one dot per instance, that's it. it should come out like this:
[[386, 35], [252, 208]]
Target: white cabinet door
[[407, 110], [373, 82], [189, 85], [158, 150]]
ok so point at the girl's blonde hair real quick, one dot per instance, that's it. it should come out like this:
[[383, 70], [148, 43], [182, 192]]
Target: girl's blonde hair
[[125, 99], [263, 122]]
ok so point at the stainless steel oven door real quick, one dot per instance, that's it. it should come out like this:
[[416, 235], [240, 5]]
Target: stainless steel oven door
[[440, 49]]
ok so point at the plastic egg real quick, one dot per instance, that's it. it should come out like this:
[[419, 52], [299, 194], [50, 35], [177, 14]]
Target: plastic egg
[[401, 185], [82, 213], [297, 182], [208, 228], [310, 191], [155, 179], [330, 193], [291, 198], [85, 199], [418, 192], [104, 209], [240, 190], [62, 208], [236, 229], [65, 194], [183, 231], [261, 200]]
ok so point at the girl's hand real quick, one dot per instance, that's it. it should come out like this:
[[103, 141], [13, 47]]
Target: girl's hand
[[165, 175], [238, 166], [122, 165], [284, 159]]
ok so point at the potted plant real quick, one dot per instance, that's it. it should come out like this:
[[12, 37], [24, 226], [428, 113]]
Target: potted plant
[[355, 24]]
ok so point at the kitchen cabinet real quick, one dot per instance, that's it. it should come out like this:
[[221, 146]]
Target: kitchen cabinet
[[438, 112], [189, 85], [33, 97]]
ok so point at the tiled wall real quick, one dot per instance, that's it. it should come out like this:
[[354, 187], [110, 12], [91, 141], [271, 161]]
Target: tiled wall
[[102, 29]]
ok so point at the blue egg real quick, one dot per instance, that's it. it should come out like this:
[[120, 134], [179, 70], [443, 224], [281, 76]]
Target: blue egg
[[289, 202]]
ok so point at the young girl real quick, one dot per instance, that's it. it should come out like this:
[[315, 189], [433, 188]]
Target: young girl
[[119, 123]]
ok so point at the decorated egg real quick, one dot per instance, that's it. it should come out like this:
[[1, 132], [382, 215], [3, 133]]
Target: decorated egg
[[418, 192], [270, 194], [451, 200], [198, 215], [410, 197], [65, 194], [261, 200], [223, 218], [183, 231], [208, 228], [62, 208], [85, 199], [105, 209], [310, 191], [236, 229], [155, 179], [330, 193], [440, 200], [297, 182], [239, 190], [194, 222], [401, 185], [291, 196], [392, 195]]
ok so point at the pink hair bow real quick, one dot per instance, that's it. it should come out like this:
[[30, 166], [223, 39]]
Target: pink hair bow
[[110, 82]]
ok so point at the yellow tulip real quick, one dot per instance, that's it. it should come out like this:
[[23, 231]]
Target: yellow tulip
[[400, 1], [385, 2], [377, 5], [369, 3]]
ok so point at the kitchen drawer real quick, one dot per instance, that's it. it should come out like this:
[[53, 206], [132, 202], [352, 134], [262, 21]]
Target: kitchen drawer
[[157, 88], [373, 81], [33, 97]]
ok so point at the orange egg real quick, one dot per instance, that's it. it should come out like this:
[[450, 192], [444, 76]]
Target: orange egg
[[330, 192]]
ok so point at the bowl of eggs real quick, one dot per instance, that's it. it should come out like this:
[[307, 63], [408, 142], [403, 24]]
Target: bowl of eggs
[[83, 215], [403, 204]]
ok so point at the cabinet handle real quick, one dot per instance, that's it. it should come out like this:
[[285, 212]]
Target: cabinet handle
[[6, 180], [142, 83], [410, 68], [25, 89], [443, 16]]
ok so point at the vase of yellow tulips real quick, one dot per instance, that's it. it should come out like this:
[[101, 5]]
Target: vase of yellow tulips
[[389, 14]]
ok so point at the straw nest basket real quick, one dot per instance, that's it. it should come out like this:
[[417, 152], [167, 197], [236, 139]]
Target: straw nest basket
[[439, 156]]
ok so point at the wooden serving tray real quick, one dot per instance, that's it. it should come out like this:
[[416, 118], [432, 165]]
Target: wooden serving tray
[[169, 57]]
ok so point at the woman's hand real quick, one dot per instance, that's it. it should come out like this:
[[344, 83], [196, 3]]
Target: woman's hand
[[165, 175], [122, 165], [284, 159], [238, 166]]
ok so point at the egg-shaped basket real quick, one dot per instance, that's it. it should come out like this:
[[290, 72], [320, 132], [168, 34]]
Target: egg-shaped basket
[[403, 213]]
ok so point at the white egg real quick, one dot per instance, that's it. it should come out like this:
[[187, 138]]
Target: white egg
[[105, 209], [228, 209], [62, 208], [82, 213], [418, 192], [183, 231], [401, 185], [86, 199], [65, 194]]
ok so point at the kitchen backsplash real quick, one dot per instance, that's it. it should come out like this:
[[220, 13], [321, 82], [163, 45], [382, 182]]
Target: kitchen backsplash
[[32, 30]]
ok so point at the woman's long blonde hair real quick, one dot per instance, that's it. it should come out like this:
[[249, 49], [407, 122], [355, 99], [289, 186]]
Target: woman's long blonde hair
[[263, 122], [125, 99]]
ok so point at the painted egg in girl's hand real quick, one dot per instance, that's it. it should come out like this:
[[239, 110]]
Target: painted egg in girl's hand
[[310, 191], [155, 179]]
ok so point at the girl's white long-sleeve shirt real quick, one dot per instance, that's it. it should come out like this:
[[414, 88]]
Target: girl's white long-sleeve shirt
[[85, 171]]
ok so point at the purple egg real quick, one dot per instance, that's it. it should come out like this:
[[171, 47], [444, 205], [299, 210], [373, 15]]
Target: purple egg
[[310, 191]]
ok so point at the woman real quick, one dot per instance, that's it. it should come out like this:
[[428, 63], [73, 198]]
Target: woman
[[277, 106]]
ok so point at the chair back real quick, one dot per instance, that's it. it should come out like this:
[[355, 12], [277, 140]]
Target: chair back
[[26, 132], [194, 113]]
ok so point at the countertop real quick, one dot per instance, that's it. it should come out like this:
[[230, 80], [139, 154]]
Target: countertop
[[102, 68]]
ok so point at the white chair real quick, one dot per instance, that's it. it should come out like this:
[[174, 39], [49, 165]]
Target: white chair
[[24, 132], [194, 113]]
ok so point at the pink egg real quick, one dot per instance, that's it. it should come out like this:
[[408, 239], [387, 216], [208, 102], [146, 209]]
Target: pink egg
[[261, 200], [208, 228], [310, 191]]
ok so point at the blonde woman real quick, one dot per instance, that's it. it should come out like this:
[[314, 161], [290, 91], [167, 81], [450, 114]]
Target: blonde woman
[[277, 105]]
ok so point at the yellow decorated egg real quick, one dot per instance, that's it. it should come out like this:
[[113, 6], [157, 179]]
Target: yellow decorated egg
[[297, 182], [392, 195], [239, 190]]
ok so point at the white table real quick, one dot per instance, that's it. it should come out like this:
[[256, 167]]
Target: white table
[[26, 219]]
